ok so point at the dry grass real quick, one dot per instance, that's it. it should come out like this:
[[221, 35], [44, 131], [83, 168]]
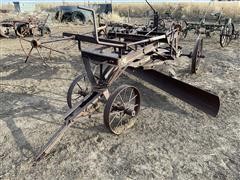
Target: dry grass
[[45, 6], [189, 10], [113, 17]]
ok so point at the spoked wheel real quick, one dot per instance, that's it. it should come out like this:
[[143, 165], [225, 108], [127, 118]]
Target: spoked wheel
[[121, 109], [33, 49], [226, 34], [44, 47], [196, 55], [79, 88]]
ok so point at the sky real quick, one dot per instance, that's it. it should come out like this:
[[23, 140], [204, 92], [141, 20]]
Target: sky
[[49, 1]]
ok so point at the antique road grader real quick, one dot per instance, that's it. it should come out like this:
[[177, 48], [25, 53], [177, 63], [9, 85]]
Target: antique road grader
[[105, 60]]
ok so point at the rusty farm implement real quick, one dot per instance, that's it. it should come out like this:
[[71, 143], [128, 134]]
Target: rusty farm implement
[[105, 60], [221, 24], [23, 28], [155, 24]]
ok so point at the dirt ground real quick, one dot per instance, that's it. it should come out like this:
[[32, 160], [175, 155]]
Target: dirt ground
[[171, 140]]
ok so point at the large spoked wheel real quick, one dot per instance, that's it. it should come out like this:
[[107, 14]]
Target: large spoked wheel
[[226, 34], [121, 109], [79, 88], [197, 54]]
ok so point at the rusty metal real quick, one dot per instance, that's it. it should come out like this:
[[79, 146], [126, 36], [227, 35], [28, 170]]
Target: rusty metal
[[38, 44], [121, 108], [155, 25], [223, 25], [194, 96], [23, 28], [114, 56]]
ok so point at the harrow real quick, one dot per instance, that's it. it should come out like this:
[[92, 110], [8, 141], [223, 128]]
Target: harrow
[[105, 60]]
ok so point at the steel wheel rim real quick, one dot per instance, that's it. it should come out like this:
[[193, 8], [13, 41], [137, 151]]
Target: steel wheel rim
[[79, 89], [125, 106]]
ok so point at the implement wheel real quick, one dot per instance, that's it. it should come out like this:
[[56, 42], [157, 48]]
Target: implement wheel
[[79, 88], [226, 34], [197, 54], [121, 109]]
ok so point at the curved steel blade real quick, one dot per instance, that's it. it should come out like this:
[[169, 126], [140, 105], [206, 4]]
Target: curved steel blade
[[202, 100]]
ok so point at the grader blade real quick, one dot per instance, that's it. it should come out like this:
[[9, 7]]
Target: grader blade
[[202, 100]]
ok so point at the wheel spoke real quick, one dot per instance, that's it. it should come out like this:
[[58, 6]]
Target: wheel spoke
[[77, 97], [113, 118], [133, 98], [121, 100], [29, 54], [121, 120], [124, 95], [40, 54], [79, 86], [130, 95]]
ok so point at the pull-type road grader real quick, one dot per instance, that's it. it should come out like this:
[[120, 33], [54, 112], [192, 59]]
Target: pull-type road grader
[[105, 60]]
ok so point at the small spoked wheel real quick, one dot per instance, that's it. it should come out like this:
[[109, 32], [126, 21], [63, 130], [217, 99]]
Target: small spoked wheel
[[226, 34], [197, 54], [121, 109], [79, 88]]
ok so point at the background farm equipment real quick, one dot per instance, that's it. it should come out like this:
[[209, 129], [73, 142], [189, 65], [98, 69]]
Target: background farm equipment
[[30, 27], [105, 60], [73, 14], [221, 24], [155, 25]]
